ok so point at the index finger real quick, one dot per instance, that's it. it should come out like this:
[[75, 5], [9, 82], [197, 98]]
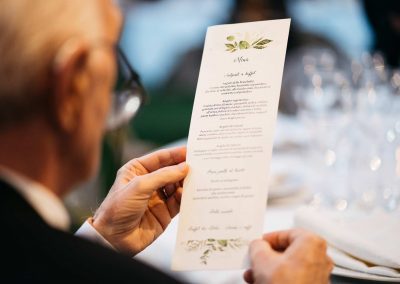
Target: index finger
[[163, 158]]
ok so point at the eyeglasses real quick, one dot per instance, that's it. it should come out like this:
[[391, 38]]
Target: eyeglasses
[[129, 93]]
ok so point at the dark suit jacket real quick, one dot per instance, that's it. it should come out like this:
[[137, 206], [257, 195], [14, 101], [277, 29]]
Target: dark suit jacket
[[33, 252]]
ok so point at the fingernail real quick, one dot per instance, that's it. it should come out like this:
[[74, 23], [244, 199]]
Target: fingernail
[[182, 166]]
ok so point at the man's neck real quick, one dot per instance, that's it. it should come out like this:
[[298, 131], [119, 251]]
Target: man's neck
[[30, 150]]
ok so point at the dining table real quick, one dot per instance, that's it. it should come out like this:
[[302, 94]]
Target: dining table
[[291, 179]]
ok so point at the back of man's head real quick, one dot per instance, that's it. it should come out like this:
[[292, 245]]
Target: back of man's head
[[31, 32]]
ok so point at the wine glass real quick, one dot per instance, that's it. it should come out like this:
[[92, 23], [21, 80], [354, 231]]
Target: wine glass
[[323, 102]]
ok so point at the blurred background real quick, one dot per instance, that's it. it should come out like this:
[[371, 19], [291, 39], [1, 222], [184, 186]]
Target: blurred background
[[341, 81]]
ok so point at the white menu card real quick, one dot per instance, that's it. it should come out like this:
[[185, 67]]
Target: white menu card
[[230, 144]]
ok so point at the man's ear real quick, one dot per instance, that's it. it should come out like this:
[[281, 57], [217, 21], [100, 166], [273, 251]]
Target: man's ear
[[70, 76]]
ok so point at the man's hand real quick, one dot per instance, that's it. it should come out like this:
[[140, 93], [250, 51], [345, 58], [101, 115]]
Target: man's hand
[[293, 256], [135, 212]]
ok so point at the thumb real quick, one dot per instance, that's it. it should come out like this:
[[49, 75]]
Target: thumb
[[261, 254], [148, 183]]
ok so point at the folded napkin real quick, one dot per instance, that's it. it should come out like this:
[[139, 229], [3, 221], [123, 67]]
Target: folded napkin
[[364, 242]]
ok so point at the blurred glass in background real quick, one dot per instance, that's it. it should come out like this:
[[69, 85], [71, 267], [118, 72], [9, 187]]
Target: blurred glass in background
[[335, 82]]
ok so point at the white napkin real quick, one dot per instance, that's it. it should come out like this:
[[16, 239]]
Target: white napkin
[[359, 241]]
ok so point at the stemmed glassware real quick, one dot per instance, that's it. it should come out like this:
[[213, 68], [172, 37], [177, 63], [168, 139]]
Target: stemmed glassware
[[354, 117]]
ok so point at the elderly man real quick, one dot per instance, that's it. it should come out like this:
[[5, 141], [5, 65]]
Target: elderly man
[[57, 70]]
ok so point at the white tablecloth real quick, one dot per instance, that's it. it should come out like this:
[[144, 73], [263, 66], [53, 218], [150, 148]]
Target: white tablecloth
[[288, 162], [159, 254], [278, 215]]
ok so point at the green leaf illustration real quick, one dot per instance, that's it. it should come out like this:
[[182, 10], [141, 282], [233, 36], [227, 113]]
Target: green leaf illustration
[[264, 42], [214, 246], [233, 45], [244, 44], [223, 243], [254, 42], [230, 47]]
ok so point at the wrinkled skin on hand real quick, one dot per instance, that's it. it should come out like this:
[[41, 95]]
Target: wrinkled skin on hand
[[294, 256], [134, 213]]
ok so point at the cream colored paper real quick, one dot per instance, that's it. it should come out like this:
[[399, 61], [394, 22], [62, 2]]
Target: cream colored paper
[[230, 144]]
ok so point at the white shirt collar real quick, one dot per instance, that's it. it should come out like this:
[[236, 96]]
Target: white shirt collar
[[48, 205]]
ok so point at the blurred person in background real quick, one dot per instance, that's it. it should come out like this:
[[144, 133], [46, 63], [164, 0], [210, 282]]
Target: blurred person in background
[[300, 43], [384, 18], [57, 71]]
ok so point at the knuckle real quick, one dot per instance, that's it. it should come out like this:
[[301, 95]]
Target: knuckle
[[129, 166], [139, 182], [134, 164], [308, 237], [120, 171], [316, 241]]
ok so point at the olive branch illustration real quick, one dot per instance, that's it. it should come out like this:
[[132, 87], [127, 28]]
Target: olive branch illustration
[[234, 45], [211, 246]]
